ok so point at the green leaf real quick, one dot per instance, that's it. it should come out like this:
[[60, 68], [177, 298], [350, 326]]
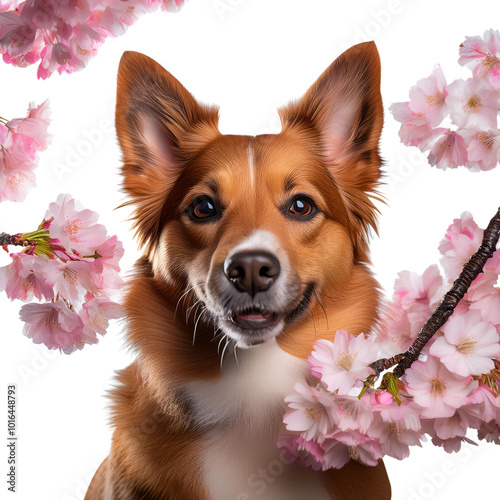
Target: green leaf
[[40, 242], [392, 387]]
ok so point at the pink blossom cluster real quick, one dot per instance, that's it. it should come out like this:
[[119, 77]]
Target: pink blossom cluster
[[64, 34], [454, 387], [72, 267], [472, 105], [20, 141], [417, 295]]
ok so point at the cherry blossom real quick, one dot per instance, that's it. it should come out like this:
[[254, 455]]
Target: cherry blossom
[[72, 278], [104, 264], [482, 148], [20, 141], [412, 288], [25, 278], [464, 418], [34, 125], [75, 228], [482, 56], [304, 452], [447, 148], [487, 302], [468, 344], [415, 296], [343, 446], [64, 36], [97, 311], [452, 445], [487, 402], [490, 432], [15, 185], [437, 390], [414, 128], [473, 103], [52, 324], [78, 287], [312, 412], [428, 96], [355, 413], [461, 240], [344, 362], [397, 427]]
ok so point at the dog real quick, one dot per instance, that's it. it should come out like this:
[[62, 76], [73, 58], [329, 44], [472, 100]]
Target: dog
[[254, 247]]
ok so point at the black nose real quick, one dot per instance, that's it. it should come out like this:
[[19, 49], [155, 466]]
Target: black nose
[[252, 271]]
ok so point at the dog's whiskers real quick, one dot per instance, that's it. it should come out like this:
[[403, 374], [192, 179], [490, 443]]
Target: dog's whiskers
[[235, 355], [189, 309], [220, 341], [228, 341], [183, 296], [204, 311], [217, 335]]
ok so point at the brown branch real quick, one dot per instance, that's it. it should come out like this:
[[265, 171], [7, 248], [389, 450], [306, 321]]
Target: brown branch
[[385, 363], [8, 239], [445, 309]]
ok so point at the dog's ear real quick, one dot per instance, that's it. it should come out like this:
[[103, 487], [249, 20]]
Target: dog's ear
[[160, 126], [343, 109]]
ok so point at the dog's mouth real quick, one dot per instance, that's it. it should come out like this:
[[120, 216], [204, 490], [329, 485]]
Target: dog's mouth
[[254, 318], [258, 318]]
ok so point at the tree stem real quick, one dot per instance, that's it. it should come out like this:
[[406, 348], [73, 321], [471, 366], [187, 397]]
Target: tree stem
[[445, 309], [8, 239]]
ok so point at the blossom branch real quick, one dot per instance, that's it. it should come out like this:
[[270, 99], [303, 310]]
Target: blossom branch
[[445, 309], [71, 265]]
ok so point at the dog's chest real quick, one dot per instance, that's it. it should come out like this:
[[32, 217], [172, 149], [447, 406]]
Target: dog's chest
[[241, 413], [250, 390]]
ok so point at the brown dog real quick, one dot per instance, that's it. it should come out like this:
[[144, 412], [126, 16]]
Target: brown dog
[[254, 248]]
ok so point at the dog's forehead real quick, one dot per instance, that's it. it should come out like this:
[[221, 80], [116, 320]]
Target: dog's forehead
[[250, 163]]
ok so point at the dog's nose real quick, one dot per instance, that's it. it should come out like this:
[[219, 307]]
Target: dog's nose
[[252, 271]]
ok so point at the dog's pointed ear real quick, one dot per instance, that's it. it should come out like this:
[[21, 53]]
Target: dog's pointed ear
[[344, 104], [159, 126], [343, 109]]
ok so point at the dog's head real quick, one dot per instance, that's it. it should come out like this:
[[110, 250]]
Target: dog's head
[[259, 227]]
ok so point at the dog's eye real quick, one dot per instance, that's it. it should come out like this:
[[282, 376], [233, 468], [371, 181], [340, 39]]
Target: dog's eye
[[203, 209], [302, 207]]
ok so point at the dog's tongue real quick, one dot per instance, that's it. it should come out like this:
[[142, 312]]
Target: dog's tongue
[[253, 316]]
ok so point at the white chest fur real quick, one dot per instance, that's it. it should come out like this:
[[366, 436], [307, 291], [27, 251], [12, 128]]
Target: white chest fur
[[250, 388], [242, 412]]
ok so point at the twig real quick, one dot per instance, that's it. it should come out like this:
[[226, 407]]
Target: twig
[[445, 309], [385, 363], [14, 239]]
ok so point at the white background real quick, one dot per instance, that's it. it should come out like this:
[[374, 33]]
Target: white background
[[250, 57]]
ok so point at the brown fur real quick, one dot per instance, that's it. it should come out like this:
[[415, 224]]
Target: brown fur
[[173, 152]]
